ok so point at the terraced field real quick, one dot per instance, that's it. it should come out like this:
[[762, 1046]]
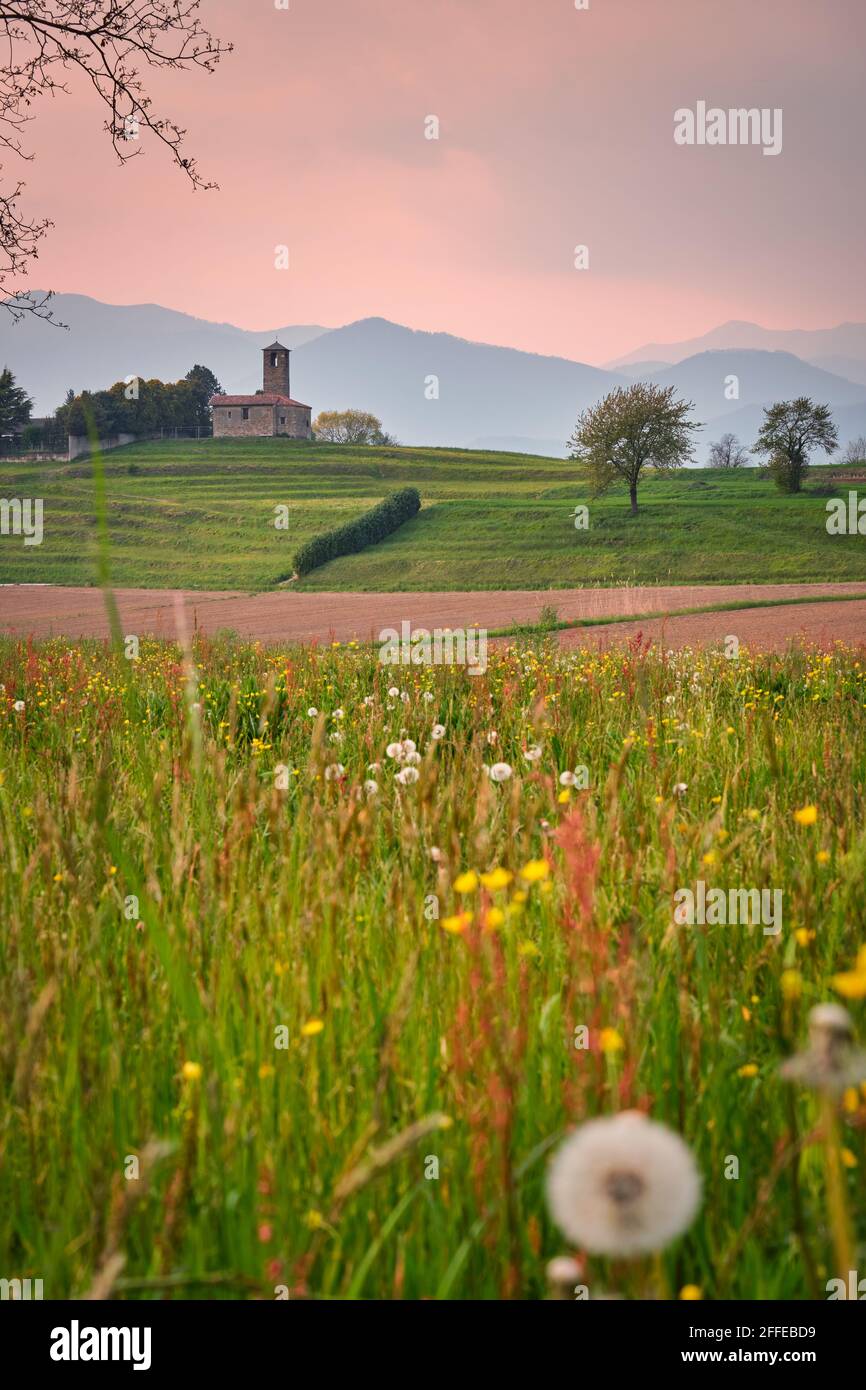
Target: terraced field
[[201, 514]]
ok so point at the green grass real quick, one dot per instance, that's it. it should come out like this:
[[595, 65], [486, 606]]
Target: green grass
[[261, 907], [200, 514]]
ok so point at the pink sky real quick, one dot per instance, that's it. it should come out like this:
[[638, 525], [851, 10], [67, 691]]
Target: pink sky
[[556, 129]]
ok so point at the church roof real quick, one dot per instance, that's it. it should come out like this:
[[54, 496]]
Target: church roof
[[263, 398], [275, 344]]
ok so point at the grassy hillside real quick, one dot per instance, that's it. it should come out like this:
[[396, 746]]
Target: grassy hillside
[[200, 514]]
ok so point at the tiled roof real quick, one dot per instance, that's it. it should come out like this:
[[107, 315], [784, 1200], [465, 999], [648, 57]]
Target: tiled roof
[[263, 398]]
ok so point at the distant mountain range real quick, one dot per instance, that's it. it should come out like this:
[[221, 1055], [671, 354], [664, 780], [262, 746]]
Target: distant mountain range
[[104, 343], [841, 349], [437, 389]]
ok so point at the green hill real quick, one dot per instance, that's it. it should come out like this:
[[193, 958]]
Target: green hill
[[200, 514]]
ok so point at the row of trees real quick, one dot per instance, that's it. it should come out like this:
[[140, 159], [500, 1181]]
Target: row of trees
[[642, 426], [133, 406]]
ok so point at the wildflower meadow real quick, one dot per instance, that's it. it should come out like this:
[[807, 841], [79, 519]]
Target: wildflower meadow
[[322, 979]]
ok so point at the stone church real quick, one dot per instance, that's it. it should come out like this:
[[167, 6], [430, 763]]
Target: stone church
[[270, 411]]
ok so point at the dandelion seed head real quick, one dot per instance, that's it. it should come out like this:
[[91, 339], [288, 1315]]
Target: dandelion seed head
[[831, 1062], [623, 1185]]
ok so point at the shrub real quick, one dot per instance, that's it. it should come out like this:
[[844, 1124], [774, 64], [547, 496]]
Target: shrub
[[356, 535]]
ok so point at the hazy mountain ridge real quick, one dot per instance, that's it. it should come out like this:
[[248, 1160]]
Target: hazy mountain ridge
[[847, 341], [104, 343], [428, 388]]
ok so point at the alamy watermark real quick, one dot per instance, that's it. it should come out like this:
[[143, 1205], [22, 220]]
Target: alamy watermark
[[736, 126], [847, 520], [855, 1287], [719, 907], [22, 517], [20, 1290], [441, 647], [77, 1343]]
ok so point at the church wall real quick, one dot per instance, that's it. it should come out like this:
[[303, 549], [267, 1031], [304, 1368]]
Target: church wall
[[297, 424], [261, 421]]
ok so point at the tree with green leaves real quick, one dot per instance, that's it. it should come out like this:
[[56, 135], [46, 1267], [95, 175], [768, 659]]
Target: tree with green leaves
[[133, 407], [203, 385], [790, 432], [350, 427], [634, 427], [15, 405]]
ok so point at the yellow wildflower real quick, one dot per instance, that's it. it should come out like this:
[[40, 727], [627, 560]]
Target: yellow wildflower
[[497, 878], [466, 882], [851, 984], [458, 923], [535, 870]]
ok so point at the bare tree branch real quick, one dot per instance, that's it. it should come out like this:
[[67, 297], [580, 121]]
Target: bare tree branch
[[110, 41]]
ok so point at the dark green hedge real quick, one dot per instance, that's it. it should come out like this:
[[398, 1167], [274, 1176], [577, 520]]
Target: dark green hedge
[[366, 530]]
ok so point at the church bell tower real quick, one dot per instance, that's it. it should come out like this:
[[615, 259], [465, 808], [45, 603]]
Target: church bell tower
[[275, 373]]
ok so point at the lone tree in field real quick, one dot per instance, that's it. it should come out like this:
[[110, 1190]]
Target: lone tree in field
[[634, 426], [109, 42], [728, 452], [791, 430], [855, 450], [350, 427]]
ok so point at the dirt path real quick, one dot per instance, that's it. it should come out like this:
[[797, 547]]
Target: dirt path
[[47, 610], [762, 629]]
